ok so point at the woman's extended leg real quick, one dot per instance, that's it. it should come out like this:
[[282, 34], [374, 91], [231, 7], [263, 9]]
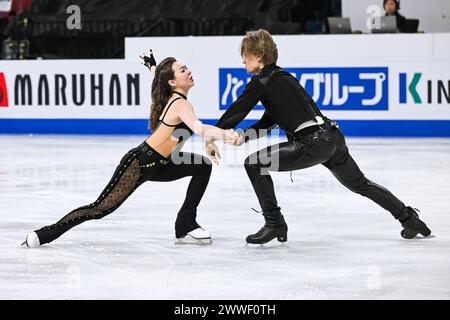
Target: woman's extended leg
[[126, 178]]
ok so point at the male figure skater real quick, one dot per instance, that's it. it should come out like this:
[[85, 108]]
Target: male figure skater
[[312, 139]]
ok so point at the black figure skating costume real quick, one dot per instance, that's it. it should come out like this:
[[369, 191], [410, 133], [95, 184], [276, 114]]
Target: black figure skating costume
[[137, 166], [312, 139]]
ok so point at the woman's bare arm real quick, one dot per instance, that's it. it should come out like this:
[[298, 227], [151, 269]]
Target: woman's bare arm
[[185, 113]]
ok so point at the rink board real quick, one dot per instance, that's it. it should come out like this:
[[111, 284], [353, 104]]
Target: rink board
[[371, 92], [358, 128]]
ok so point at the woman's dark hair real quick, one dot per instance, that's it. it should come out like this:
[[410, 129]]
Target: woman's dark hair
[[161, 90], [397, 4]]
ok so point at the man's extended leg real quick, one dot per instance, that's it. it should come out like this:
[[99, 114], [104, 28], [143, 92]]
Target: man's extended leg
[[345, 169]]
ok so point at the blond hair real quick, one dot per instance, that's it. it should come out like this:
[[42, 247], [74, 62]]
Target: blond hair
[[260, 43]]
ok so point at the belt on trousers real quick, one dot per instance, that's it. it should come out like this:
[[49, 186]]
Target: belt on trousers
[[327, 124], [146, 149]]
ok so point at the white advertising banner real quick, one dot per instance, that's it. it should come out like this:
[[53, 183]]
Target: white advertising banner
[[351, 78], [81, 89]]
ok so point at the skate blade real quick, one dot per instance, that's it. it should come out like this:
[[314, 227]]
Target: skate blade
[[25, 244], [413, 234], [188, 240], [267, 245]]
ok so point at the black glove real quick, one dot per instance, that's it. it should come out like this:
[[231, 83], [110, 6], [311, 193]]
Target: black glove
[[149, 61]]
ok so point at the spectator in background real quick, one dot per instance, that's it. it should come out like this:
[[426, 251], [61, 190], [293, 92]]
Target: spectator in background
[[391, 8]]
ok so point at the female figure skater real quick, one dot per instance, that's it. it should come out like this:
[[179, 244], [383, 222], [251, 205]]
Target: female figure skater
[[172, 121], [312, 139]]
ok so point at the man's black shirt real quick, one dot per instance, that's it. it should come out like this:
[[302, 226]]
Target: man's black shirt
[[286, 102]]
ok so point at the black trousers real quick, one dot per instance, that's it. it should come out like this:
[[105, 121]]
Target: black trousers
[[137, 166], [327, 147]]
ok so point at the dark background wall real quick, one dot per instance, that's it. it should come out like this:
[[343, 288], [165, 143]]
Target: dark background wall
[[105, 23]]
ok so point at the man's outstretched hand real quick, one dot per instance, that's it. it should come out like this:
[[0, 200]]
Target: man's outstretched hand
[[239, 138]]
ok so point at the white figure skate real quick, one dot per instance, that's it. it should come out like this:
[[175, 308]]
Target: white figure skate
[[32, 240], [197, 236]]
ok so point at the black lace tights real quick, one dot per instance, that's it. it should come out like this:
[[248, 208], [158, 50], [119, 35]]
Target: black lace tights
[[137, 166]]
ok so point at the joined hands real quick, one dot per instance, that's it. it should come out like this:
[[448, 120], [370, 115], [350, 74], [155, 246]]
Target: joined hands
[[232, 137]]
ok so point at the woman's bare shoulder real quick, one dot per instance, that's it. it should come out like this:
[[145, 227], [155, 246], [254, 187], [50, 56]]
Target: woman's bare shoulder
[[181, 105]]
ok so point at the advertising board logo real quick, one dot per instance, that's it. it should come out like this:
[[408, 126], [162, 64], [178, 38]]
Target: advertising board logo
[[435, 91], [3, 91], [342, 88], [94, 89]]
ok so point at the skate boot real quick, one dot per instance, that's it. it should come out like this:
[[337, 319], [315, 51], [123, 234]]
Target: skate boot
[[188, 231], [47, 234], [197, 236], [32, 240], [275, 227], [412, 224]]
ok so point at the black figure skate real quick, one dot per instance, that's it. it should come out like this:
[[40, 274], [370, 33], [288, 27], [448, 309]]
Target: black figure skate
[[413, 225], [275, 227]]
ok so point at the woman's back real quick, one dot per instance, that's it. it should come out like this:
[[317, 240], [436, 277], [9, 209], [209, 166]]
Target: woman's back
[[170, 131]]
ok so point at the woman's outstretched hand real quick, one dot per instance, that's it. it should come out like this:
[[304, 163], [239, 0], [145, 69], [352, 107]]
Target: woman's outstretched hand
[[212, 151], [148, 61], [230, 136]]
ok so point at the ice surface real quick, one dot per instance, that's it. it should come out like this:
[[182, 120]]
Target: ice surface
[[341, 245]]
